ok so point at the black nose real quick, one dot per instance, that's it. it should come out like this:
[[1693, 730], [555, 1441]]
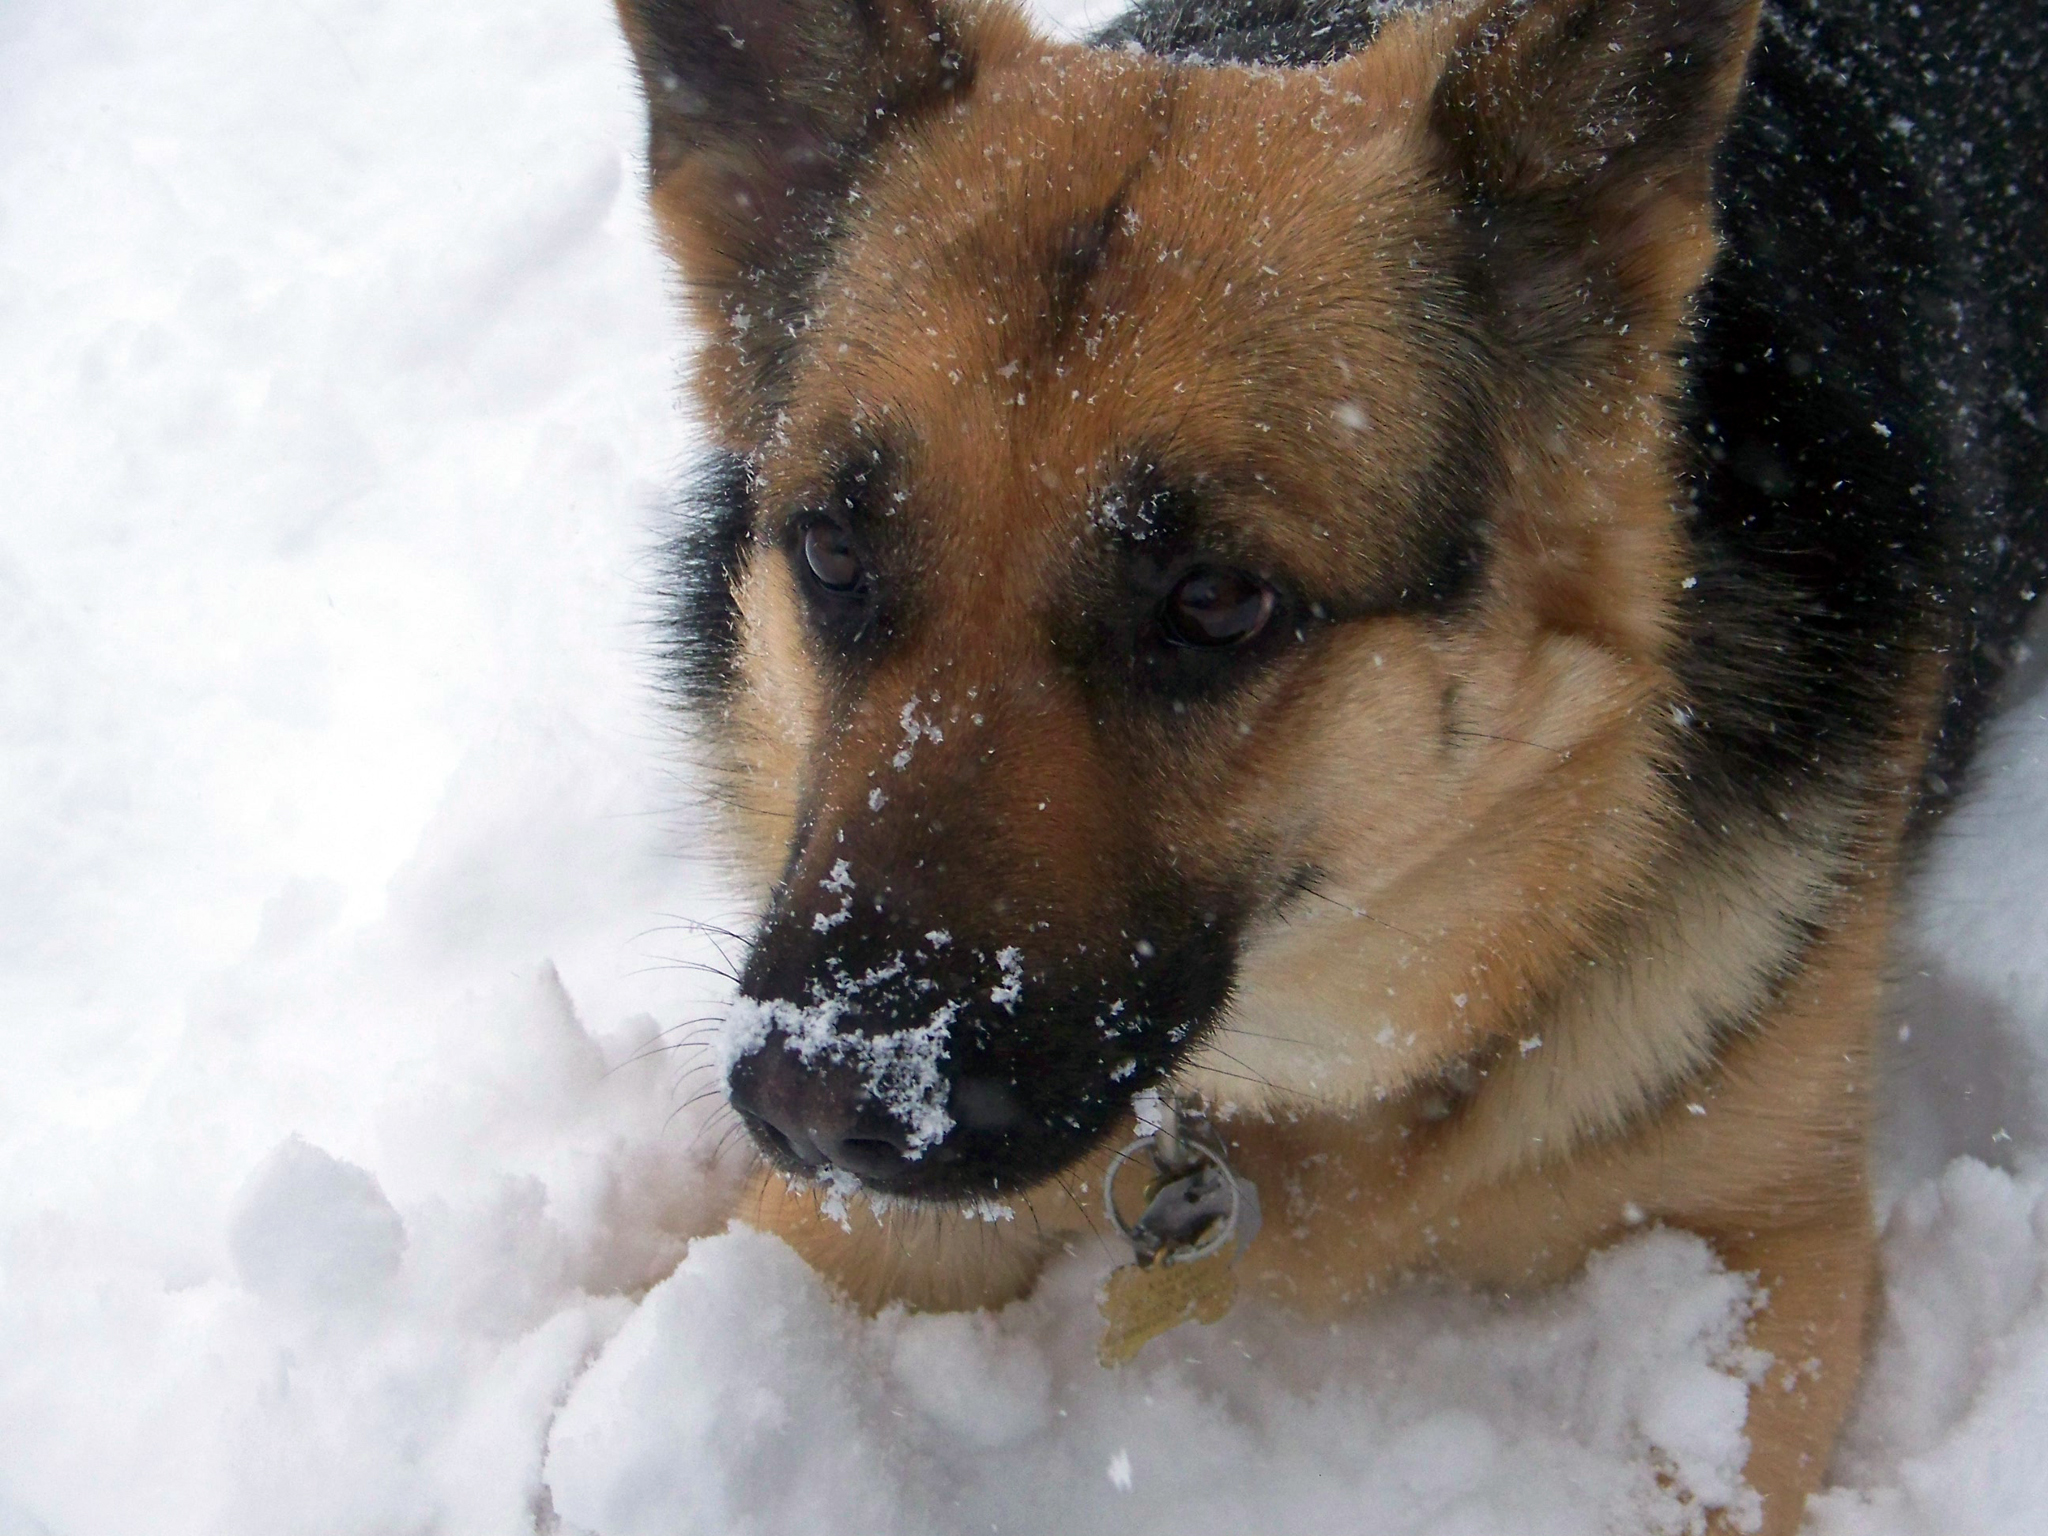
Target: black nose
[[815, 1116]]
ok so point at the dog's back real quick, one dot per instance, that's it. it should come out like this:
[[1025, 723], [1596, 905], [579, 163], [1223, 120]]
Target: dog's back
[[1870, 416]]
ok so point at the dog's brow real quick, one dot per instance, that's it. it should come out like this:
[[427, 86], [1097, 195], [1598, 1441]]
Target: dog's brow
[[1080, 254], [1076, 259]]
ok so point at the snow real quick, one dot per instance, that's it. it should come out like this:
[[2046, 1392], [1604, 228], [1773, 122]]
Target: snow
[[1948, 1437], [902, 1070], [358, 935], [312, 1230], [741, 1398]]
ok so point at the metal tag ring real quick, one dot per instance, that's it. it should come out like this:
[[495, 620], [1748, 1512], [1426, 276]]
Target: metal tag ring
[[1215, 1243]]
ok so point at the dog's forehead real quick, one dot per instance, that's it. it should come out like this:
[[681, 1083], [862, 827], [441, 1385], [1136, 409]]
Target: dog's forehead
[[1102, 262]]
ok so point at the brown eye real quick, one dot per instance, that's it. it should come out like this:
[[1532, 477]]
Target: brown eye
[[1214, 607], [829, 552]]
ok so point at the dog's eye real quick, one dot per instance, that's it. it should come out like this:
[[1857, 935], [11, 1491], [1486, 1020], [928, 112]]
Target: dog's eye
[[829, 552], [1215, 607]]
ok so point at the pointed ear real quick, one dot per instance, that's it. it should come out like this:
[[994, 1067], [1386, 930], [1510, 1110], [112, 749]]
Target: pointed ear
[[760, 116], [1593, 125]]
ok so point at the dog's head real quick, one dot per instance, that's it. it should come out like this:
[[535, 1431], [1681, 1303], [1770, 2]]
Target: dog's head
[[1199, 545]]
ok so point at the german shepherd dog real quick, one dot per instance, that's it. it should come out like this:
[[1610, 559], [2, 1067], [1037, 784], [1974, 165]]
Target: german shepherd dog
[[1411, 571]]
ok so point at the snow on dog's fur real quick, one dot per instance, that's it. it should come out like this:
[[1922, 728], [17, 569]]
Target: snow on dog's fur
[[1410, 570]]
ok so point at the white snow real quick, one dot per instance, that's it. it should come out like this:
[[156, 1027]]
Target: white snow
[[903, 1070], [312, 1230], [354, 958], [1008, 992], [740, 1397]]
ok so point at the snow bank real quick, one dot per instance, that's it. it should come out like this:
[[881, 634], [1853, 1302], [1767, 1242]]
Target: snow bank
[[1948, 1438], [351, 975], [742, 1397]]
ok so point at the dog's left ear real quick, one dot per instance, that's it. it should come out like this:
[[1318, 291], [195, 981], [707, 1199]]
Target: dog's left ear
[[761, 114], [1585, 132]]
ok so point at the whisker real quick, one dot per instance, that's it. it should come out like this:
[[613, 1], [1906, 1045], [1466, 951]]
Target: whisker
[[1238, 1077], [653, 1051], [1253, 1034], [690, 924], [690, 1073], [1037, 1226], [1343, 906], [662, 1049], [732, 971], [671, 1120], [693, 1032], [733, 802], [1322, 1100], [735, 1129], [1081, 1206], [1257, 1075], [699, 1097], [1562, 754], [701, 967], [714, 1118]]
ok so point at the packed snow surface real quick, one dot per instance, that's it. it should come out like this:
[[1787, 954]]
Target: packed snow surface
[[348, 1180]]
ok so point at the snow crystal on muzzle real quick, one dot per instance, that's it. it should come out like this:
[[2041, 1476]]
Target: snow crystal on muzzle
[[902, 1070]]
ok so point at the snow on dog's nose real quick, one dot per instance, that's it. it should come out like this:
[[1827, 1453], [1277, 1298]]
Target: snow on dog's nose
[[881, 1107], [874, 1074], [822, 1116]]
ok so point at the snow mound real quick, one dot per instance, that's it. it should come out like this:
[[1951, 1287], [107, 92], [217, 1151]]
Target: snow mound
[[311, 1228], [743, 1397], [1948, 1439]]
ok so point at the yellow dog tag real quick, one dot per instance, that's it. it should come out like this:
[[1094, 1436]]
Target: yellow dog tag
[[1141, 1301], [1199, 1217]]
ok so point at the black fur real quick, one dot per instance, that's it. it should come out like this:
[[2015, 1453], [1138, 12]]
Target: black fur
[[1874, 476], [702, 635], [1869, 417], [1291, 32]]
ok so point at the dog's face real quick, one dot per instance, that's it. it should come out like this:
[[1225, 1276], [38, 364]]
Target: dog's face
[[1208, 545]]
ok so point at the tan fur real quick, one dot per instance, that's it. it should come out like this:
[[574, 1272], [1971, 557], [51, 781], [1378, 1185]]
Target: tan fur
[[1496, 1038]]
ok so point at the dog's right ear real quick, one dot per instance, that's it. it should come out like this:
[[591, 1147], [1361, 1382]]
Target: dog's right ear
[[1585, 132], [761, 114]]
